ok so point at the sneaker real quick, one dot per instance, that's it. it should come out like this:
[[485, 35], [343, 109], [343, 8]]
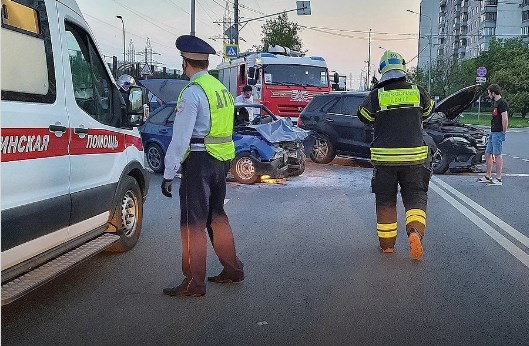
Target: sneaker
[[416, 250], [496, 181], [485, 179]]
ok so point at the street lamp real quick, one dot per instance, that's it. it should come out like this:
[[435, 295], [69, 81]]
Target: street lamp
[[430, 46], [123, 23]]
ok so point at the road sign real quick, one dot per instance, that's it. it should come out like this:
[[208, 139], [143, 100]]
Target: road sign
[[231, 51], [146, 70], [303, 8], [481, 79], [481, 71]]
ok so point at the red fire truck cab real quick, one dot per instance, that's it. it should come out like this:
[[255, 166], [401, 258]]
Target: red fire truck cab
[[282, 81]]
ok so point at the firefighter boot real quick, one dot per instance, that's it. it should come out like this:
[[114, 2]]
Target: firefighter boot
[[416, 250]]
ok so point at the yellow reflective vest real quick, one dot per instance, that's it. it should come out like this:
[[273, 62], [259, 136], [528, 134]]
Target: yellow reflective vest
[[397, 109], [218, 142]]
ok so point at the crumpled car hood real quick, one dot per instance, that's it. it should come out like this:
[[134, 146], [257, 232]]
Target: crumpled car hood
[[455, 104], [280, 130]]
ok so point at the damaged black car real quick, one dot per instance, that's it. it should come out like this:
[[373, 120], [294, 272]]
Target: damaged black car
[[337, 130]]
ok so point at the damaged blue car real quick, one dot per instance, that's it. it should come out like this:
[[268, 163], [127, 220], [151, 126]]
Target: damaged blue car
[[267, 145]]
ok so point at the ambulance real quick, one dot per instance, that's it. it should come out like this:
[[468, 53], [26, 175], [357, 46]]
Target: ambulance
[[73, 181]]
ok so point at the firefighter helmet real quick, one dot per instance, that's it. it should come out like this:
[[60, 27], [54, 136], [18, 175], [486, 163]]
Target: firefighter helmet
[[391, 61]]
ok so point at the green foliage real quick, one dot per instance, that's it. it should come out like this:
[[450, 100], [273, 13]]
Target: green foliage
[[279, 31], [507, 63]]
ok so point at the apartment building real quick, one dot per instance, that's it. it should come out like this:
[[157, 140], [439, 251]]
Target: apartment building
[[466, 27]]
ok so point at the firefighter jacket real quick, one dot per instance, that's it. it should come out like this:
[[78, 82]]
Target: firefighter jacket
[[397, 109]]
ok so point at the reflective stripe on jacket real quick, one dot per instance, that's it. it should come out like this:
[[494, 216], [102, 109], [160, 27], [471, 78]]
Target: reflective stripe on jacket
[[397, 109], [218, 142]]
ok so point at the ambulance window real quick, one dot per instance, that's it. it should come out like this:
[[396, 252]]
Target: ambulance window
[[91, 84], [27, 69]]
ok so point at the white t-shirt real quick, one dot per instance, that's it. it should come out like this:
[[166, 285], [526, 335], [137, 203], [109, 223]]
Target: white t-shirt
[[241, 100]]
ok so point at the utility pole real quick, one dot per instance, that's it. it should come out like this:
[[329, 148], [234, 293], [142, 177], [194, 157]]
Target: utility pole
[[236, 21], [192, 33]]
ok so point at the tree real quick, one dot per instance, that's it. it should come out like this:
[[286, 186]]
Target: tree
[[280, 31]]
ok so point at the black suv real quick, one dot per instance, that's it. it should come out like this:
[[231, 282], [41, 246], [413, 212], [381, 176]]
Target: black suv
[[338, 131]]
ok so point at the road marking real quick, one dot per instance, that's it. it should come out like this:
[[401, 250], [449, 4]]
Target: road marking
[[516, 174], [499, 222], [491, 232], [226, 200]]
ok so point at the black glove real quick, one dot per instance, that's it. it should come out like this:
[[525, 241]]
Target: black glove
[[167, 187]]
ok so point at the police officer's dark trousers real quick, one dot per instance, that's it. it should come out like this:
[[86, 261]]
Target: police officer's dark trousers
[[413, 181], [202, 193]]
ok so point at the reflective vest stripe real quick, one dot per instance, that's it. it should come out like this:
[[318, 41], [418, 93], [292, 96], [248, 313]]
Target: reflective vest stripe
[[400, 151], [418, 215], [398, 159], [365, 113], [387, 226], [387, 234], [430, 108]]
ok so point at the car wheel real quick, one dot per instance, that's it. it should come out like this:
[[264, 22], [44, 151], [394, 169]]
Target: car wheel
[[243, 169], [440, 162], [127, 215], [323, 150], [155, 158]]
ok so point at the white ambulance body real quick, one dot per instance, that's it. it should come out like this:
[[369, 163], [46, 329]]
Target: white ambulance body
[[72, 176]]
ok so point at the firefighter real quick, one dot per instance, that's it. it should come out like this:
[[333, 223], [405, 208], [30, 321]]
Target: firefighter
[[202, 146], [399, 153]]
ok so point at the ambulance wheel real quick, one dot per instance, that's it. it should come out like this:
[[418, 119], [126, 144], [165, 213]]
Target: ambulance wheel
[[243, 169], [127, 215], [155, 158], [323, 150]]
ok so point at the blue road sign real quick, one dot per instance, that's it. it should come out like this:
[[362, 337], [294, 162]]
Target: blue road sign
[[481, 71], [231, 51]]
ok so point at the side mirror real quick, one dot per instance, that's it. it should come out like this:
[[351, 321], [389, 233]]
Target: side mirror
[[138, 109], [336, 78]]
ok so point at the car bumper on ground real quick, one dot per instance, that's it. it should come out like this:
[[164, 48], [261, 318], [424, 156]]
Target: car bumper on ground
[[276, 168]]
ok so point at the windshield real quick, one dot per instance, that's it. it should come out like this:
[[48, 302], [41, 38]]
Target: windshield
[[301, 75]]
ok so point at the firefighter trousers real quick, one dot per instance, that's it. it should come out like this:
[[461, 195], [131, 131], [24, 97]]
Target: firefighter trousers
[[413, 181], [202, 194]]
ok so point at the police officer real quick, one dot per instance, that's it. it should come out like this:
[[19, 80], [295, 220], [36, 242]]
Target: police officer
[[202, 146], [398, 152]]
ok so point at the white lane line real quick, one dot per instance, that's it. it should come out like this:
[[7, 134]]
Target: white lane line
[[226, 200], [516, 174], [499, 222], [491, 232]]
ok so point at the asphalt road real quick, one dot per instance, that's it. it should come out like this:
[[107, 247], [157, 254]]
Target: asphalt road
[[314, 274]]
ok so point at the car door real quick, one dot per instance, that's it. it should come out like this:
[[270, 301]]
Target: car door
[[35, 164], [360, 135], [97, 145], [161, 126], [349, 133]]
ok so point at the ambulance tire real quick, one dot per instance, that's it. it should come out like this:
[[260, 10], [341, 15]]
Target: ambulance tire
[[243, 169], [128, 215], [155, 158], [323, 150]]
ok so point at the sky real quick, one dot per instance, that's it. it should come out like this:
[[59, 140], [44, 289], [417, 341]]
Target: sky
[[337, 30]]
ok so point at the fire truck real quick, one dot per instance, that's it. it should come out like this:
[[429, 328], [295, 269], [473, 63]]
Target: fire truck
[[282, 80]]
